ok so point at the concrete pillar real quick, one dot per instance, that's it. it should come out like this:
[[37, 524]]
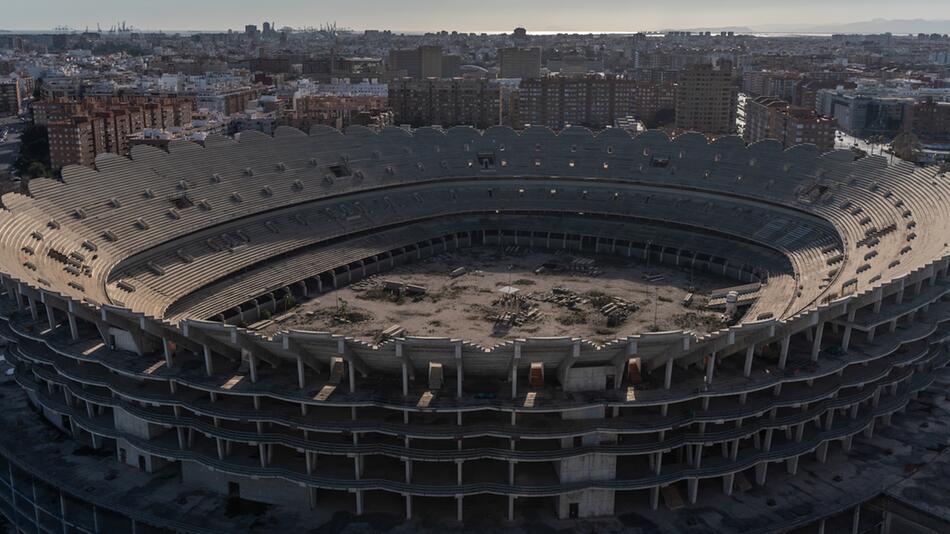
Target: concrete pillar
[[405, 379], [209, 363], [749, 355], [816, 343], [458, 506], [50, 316], [856, 518], [654, 497], [73, 327], [846, 443], [301, 375], [668, 379], [761, 472], [408, 507], [34, 312], [869, 430], [459, 371], [359, 502], [692, 488], [783, 351], [710, 368], [727, 482], [846, 338], [511, 508], [791, 465], [252, 366], [822, 452]]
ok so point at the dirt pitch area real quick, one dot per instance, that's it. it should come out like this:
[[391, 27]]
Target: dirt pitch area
[[549, 294]]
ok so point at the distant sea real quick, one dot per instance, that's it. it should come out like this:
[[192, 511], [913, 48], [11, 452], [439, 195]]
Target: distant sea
[[420, 32]]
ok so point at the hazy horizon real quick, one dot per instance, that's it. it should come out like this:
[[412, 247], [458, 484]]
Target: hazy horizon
[[486, 15]]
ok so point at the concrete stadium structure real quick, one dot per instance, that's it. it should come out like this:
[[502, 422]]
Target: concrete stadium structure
[[126, 288]]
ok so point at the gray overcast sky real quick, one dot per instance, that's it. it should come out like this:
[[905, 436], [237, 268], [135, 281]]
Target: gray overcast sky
[[467, 15]]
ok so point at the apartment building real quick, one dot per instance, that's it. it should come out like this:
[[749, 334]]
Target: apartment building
[[771, 118], [422, 62], [448, 102], [78, 131], [75, 141], [706, 100], [9, 98], [558, 101], [523, 63]]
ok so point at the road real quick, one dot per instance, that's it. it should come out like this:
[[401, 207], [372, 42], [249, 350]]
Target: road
[[845, 141], [10, 148]]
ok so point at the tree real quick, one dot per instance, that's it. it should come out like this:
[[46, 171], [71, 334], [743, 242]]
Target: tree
[[34, 153], [906, 146]]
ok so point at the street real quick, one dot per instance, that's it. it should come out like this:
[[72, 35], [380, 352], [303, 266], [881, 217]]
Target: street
[[10, 147]]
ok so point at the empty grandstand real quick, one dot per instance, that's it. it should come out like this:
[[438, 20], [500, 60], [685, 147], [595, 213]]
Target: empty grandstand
[[611, 323]]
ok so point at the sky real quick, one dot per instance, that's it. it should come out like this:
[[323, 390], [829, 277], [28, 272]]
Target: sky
[[460, 15]]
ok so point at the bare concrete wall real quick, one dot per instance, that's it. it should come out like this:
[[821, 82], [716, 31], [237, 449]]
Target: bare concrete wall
[[590, 503], [587, 378], [266, 490]]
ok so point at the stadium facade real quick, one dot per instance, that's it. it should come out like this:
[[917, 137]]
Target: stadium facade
[[127, 289]]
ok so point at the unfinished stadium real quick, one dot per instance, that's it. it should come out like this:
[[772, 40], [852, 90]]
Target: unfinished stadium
[[466, 326]]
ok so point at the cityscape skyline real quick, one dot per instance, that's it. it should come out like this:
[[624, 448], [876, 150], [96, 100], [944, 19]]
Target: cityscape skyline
[[610, 16]]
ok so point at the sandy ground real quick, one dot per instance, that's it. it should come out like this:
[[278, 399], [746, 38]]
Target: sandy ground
[[565, 299]]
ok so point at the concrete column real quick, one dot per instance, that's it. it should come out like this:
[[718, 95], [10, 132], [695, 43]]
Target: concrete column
[[658, 463], [749, 355], [822, 452], [252, 365], [359, 502], [654, 497], [514, 371], [869, 431], [73, 327], [458, 510], [511, 508], [783, 351], [301, 374], [710, 368], [352, 372], [408, 506], [50, 316], [459, 371], [816, 343], [209, 363], [668, 379], [791, 465], [856, 518], [692, 488], [34, 312], [405, 379], [846, 443], [761, 473], [727, 482]]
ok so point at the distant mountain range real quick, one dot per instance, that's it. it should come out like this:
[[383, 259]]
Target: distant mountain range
[[904, 26]]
